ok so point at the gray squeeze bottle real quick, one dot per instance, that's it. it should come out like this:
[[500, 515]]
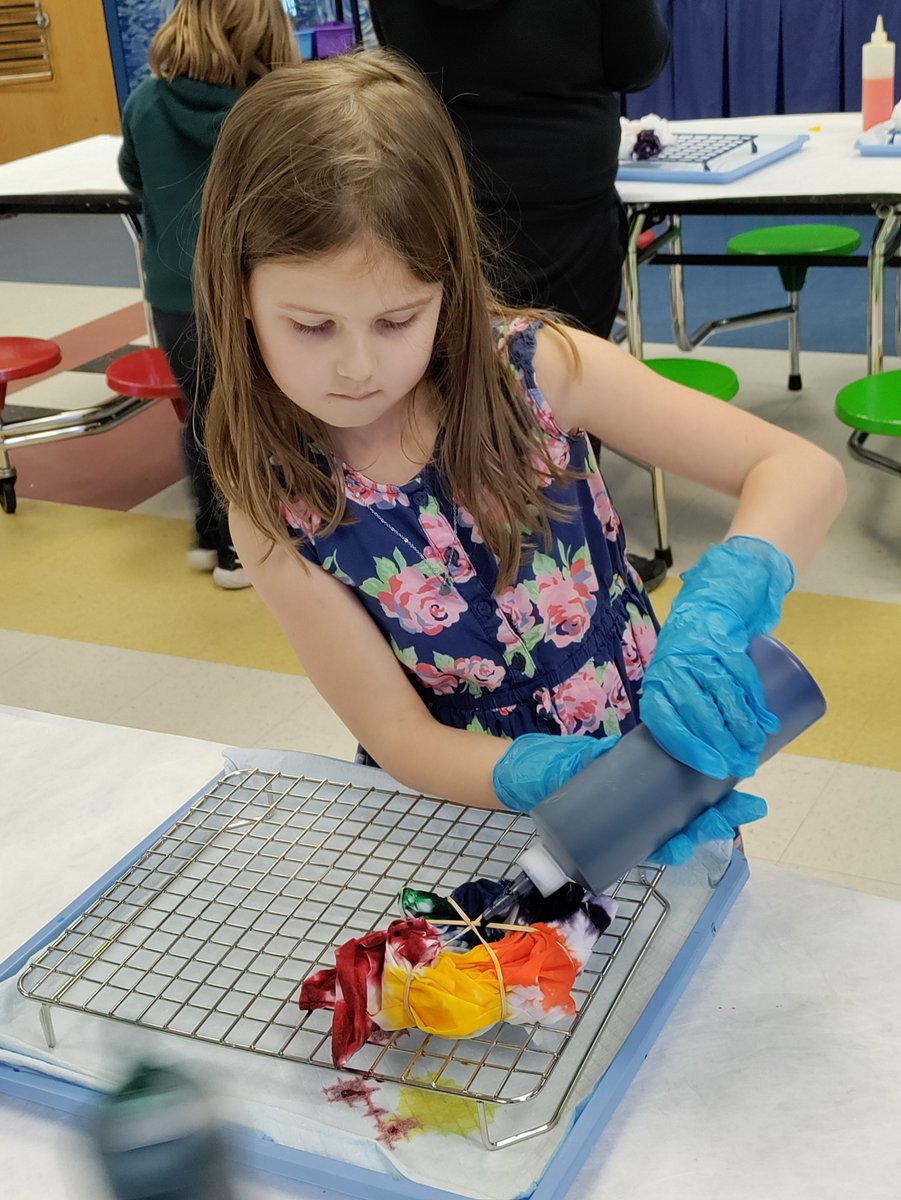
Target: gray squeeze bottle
[[158, 1140], [625, 804]]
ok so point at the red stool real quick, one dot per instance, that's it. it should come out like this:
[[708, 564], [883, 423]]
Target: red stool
[[19, 358], [146, 375]]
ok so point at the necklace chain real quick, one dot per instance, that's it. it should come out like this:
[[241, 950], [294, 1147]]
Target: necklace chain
[[449, 557]]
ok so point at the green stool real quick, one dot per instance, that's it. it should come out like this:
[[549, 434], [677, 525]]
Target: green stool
[[872, 405], [713, 378], [827, 240], [710, 377]]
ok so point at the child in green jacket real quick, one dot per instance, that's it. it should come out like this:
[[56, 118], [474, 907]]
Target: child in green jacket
[[202, 59]]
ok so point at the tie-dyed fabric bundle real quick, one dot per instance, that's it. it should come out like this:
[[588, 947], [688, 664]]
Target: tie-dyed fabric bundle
[[411, 975]]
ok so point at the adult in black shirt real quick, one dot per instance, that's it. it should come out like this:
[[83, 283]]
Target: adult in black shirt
[[532, 86]]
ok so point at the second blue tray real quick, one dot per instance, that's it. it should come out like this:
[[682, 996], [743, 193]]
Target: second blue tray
[[723, 168], [879, 149]]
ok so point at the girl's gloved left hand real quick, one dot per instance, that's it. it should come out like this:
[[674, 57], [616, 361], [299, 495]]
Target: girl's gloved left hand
[[702, 697], [538, 764]]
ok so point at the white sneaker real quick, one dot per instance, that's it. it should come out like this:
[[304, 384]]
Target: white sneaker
[[231, 578], [202, 560], [229, 573]]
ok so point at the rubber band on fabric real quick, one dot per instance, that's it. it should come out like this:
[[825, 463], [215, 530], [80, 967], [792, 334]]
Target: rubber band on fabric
[[469, 926]]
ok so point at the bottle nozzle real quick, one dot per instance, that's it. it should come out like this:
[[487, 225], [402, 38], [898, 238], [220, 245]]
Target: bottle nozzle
[[880, 36], [545, 872]]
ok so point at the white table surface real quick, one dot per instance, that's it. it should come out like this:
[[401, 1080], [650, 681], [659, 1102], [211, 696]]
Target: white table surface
[[778, 1075], [828, 165], [85, 167]]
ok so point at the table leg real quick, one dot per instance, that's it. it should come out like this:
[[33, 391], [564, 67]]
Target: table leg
[[134, 232], [677, 288], [636, 348], [885, 245], [631, 284]]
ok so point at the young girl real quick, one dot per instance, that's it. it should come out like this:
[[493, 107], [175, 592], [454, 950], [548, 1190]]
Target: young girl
[[202, 59], [411, 488]]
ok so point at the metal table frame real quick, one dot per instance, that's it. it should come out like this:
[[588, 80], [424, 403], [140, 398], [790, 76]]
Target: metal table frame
[[822, 168], [92, 164]]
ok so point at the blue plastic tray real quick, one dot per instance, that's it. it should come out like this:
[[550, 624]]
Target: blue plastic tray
[[338, 1179], [726, 168], [875, 150]]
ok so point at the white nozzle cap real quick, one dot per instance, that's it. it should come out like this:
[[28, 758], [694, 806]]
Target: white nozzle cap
[[545, 872], [880, 37]]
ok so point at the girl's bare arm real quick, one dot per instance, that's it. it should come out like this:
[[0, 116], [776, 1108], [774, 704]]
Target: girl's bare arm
[[354, 670], [789, 491]]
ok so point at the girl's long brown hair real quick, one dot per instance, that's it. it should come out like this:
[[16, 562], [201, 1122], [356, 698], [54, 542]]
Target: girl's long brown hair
[[312, 160], [227, 42]]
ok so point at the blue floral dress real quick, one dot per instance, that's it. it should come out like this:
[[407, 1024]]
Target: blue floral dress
[[563, 650]]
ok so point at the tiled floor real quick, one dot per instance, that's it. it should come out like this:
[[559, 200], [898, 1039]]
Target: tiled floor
[[837, 819]]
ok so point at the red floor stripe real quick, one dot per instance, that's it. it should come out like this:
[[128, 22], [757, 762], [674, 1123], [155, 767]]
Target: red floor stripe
[[117, 469]]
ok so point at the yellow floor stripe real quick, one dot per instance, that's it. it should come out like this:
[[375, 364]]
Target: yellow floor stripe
[[120, 579]]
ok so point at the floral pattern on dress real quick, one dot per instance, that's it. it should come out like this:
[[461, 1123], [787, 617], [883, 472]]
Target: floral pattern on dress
[[445, 674], [639, 640], [565, 594], [561, 650], [591, 700], [298, 516], [421, 602], [379, 495], [603, 507], [466, 518], [445, 550]]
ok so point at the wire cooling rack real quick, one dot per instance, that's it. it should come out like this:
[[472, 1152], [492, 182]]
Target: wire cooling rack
[[210, 933], [699, 149]]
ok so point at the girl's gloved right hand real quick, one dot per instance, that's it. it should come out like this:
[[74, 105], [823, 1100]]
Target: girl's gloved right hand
[[719, 823], [702, 696], [538, 764]]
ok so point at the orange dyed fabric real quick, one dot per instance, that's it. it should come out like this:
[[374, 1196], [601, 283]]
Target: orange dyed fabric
[[537, 958]]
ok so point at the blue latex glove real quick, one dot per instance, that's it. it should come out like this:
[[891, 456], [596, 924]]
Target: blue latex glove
[[702, 698], [719, 823], [538, 764]]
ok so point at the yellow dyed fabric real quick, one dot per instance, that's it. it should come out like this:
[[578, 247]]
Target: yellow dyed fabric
[[449, 999], [461, 994]]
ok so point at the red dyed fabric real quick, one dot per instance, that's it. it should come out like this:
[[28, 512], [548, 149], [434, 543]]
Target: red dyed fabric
[[353, 988]]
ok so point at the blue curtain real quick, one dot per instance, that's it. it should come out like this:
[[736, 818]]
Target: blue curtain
[[131, 25], [811, 55], [699, 58], [744, 57], [754, 45]]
